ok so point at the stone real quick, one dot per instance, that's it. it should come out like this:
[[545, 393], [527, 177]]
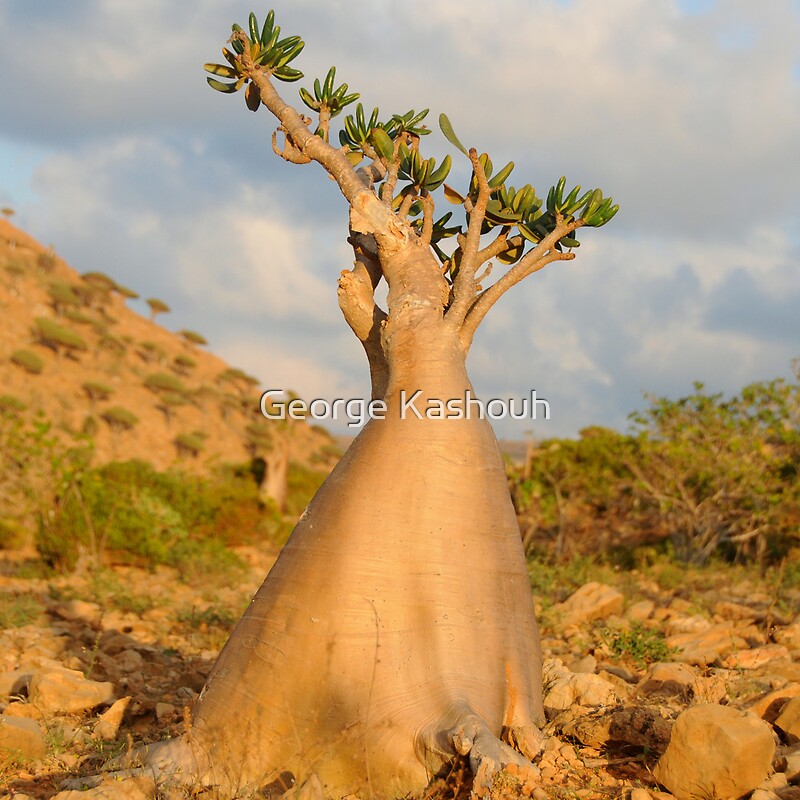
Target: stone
[[641, 611], [107, 725], [788, 636], [592, 601], [77, 610], [735, 611], [567, 689], [14, 683], [757, 657], [643, 727], [667, 680], [587, 664], [142, 787], [793, 767], [737, 750], [770, 705], [788, 721], [705, 647], [21, 738], [641, 794], [67, 691]]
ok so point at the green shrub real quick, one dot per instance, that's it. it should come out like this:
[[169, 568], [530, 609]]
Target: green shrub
[[120, 418], [84, 319], [112, 344], [638, 644], [56, 336], [11, 405], [97, 391], [164, 382], [29, 361], [100, 280], [189, 443], [19, 610], [303, 483], [193, 337], [129, 512], [62, 294], [46, 261]]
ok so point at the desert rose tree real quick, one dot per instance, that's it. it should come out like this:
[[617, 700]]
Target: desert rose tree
[[396, 630]]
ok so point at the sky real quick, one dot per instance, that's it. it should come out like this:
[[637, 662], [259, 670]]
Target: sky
[[114, 150]]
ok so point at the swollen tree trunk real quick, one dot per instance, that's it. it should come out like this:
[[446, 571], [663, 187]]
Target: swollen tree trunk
[[274, 486]]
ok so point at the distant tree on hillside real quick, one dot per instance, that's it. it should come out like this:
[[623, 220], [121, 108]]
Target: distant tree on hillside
[[157, 307], [58, 338], [193, 337]]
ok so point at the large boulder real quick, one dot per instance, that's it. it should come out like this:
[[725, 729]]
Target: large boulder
[[716, 751]]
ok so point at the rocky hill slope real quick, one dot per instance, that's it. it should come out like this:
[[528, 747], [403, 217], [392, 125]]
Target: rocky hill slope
[[71, 349]]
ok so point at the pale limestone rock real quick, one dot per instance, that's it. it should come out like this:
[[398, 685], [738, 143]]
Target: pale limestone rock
[[641, 611], [592, 601], [67, 691], [107, 725], [789, 721], [567, 689], [757, 657], [788, 636], [668, 680], [771, 704], [641, 794], [75, 610], [139, 788], [735, 611], [706, 646], [737, 750], [21, 737], [14, 682], [793, 767]]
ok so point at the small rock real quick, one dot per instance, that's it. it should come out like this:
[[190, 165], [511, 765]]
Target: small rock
[[764, 794], [789, 721], [107, 725], [770, 705], [138, 788], [735, 611], [22, 711], [21, 737], [788, 636], [667, 680], [639, 726], [640, 794], [568, 689], [793, 767], [705, 647], [14, 683], [67, 691], [587, 664], [757, 657], [74, 610], [592, 601], [130, 661], [164, 711], [641, 611], [737, 750]]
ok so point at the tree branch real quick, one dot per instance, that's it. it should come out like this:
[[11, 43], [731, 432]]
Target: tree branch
[[464, 284], [362, 199], [543, 254]]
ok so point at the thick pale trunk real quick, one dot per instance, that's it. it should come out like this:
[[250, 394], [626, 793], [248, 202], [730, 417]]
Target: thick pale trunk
[[397, 619], [275, 484]]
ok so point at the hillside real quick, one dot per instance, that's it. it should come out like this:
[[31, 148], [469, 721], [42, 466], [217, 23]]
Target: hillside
[[72, 351]]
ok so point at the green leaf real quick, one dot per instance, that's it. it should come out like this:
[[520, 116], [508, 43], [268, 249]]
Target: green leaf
[[221, 70], [500, 178], [225, 88], [383, 143], [450, 134], [288, 74], [252, 97], [354, 157], [266, 31], [453, 196], [253, 28], [512, 255]]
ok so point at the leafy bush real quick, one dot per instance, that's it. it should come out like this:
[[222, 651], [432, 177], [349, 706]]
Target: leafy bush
[[62, 294], [120, 418], [11, 405], [164, 382], [639, 644], [54, 335], [29, 361], [97, 391], [129, 512], [189, 443], [193, 337]]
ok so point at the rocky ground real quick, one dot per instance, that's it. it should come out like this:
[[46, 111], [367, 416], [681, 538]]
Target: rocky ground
[[689, 690]]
